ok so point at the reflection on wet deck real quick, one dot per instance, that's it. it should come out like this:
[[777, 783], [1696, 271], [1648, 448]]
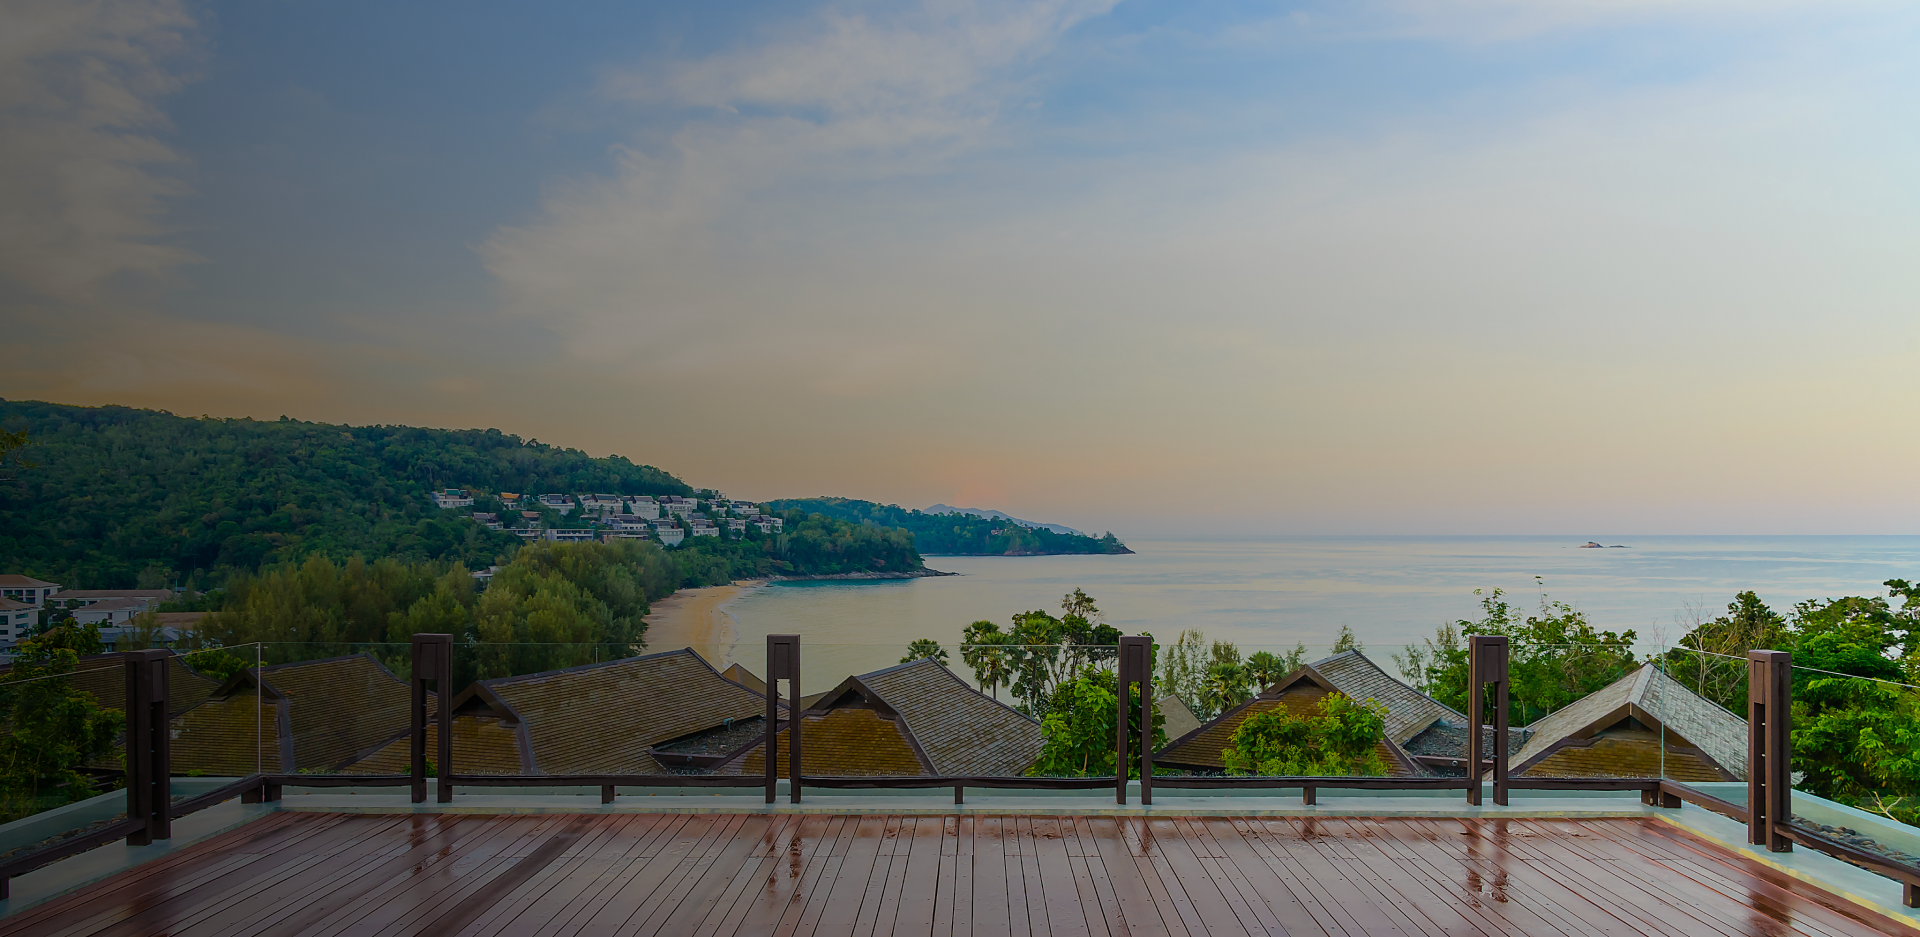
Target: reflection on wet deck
[[721, 874]]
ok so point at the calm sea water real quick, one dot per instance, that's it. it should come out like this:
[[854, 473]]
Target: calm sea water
[[1274, 593]]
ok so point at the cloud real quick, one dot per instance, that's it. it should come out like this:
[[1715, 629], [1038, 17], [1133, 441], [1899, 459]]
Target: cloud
[[85, 174], [1512, 20], [719, 245]]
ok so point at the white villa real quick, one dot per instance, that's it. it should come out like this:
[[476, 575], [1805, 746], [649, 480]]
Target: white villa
[[560, 503], [453, 498]]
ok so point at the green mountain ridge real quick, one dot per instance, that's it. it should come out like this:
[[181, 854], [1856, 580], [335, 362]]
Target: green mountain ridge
[[114, 497], [956, 534]]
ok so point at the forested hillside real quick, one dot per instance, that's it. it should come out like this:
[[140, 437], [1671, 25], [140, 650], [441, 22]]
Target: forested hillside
[[111, 497], [955, 534]]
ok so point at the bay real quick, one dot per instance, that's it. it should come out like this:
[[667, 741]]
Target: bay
[[1275, 593]]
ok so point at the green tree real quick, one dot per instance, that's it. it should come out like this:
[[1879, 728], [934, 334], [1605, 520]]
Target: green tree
[[1347, 642], [1081, 723], [1342, 739], [1183, 668], [983, 646], [218, 663], [923, 648], [955, 534], [1710, 659], [1226, 687], [1555, 656], [53, 729], [1263, 669]]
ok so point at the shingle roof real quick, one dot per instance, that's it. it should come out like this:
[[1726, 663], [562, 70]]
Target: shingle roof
[[480, 746], [602, 718], [963, 732], [105, 676], [1654, 698], [918, 718], [1409, 711], [319, 715], [840, 742], [1299, 693], [1179, 720]]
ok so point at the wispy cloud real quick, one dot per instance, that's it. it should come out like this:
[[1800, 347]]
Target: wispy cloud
[[689, 247], [85, 173]]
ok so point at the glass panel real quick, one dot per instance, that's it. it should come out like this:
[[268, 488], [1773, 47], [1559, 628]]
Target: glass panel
[[1854, 718], [332, 707], [221, 725], [581, 709], [1700, 705], [61, 743]]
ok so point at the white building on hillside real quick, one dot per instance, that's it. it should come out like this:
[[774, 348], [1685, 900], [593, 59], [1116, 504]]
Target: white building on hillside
[[669, 535], [644, 507], [27, 589], [556, 535], [453, 498], [15, 619], [560, 503]]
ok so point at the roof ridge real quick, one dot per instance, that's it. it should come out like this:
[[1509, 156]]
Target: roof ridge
[[604, 663], [1383, 672]]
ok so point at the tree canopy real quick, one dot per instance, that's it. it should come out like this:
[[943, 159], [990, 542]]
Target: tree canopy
[[956, 534], [114, 497]]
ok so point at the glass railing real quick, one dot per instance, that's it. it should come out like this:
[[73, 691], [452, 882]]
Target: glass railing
[[1698, 709], [220, 723], [998, 709], [62, 723], [1856, 729]]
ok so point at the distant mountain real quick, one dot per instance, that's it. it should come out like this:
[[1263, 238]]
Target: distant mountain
[[1002, 515], [959, 531]]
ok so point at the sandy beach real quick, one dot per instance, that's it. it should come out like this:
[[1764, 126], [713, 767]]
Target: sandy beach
[[697, 618]]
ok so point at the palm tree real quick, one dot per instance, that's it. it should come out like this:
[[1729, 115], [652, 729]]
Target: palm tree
[[981, 648], [1264, 669], [1226, 687]]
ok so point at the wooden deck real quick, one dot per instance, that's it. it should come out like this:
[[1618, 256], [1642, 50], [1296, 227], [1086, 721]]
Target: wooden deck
[[653, 874]]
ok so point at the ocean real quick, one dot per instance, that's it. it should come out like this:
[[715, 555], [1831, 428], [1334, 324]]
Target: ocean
[[1275, 593]]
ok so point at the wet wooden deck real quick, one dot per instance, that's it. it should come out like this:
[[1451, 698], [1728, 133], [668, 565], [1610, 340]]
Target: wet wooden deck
[[652, 874]]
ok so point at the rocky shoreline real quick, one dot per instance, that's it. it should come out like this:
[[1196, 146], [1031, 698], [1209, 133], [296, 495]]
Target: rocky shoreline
[[864, 574]]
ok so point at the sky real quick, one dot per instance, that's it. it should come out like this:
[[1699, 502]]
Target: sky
[[1162, 268]]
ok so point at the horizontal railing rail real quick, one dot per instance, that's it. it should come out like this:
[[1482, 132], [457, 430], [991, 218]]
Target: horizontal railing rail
[[21, 865], [1699, 798], [1908, 876], [241, 788]]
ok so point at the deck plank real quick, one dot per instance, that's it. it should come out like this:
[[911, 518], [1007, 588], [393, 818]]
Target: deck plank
[[720, 875]]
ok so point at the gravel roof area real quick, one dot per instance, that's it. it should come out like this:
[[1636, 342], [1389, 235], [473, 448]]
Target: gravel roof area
[[1852, 837], [719, 741]]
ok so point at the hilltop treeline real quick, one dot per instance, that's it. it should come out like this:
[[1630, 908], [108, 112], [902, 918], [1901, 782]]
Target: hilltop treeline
[[113, 497], [956, 534]]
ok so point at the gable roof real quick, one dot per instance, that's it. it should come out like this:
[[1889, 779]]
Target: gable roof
[[1299, 693], [1178, 719], [316, 715], [1409, 711], [602, 718], [916, 718], [105, 676], [1653, 698], [962, 731]]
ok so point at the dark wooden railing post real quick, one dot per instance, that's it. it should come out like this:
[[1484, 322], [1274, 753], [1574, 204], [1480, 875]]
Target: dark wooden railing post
[[433, 661], [1135, 668], [1487, 664], [149, 775], [1769, 750], [783, 663]]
